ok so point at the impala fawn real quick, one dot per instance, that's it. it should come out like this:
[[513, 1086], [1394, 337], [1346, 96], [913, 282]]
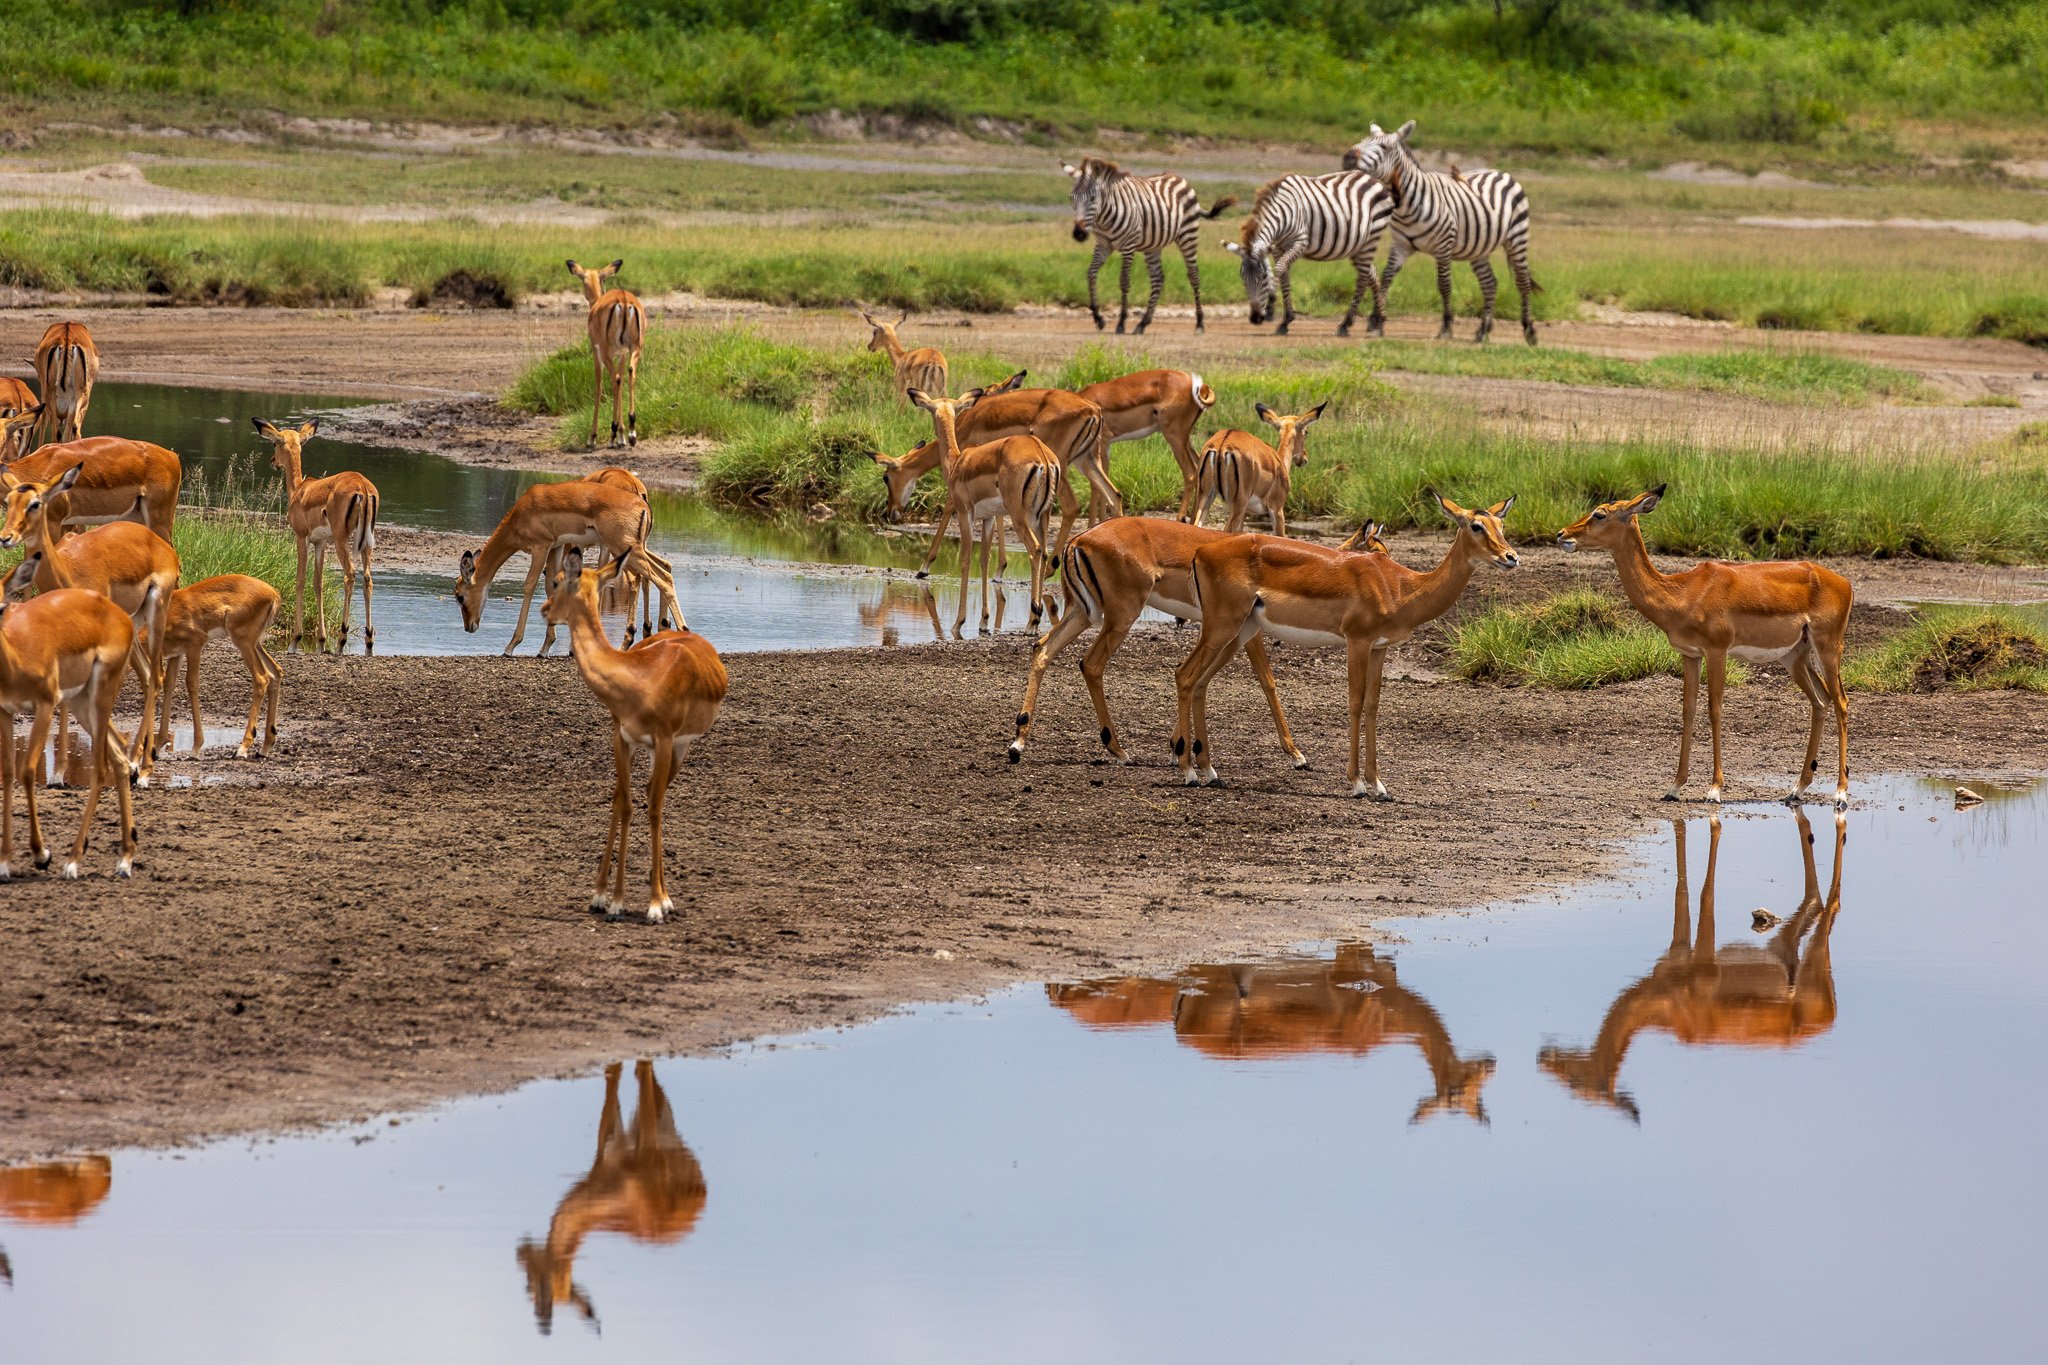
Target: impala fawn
[[1353, 1005], [338, 512], [922, 367], [1251, 476], [618, 330], [1777, 995], [232, 607], [67, 364], [644, 1182]]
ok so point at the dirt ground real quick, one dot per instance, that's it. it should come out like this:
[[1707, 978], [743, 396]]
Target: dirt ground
[[389, 910]]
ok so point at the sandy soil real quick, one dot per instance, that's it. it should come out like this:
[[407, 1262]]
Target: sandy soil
[[394, 914]]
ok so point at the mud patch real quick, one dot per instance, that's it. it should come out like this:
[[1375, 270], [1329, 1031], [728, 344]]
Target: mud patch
[[465, 288]]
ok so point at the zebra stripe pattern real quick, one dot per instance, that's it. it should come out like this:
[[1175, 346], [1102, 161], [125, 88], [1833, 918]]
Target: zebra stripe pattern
[[1337, 217], [1451, 217], [1131, 214]]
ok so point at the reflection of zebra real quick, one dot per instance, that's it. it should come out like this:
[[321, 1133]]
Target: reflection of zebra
[[1336, 217], [1451, 217], [1132, 213]]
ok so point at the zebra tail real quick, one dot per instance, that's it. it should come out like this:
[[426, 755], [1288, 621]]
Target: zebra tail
[[1216, 209]]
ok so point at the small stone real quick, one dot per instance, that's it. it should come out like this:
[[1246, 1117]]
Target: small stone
[[1763, 920], [1966, 798], [943, 954]]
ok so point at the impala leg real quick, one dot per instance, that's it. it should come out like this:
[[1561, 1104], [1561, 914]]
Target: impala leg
[[369, 621], [1690, 665], [1808, 681], [534, 564], [1187, 745], [299, 597], [191, 662], [664, 771], [38, 735], [931, 552], [1038, 536], [1203, 753], [271, 697], [966, 572], [348, 589], [625, 832], [1375, 670], [988, 535], [167, 687], [632, 398], [1262, 668], [622, 810], [320, 599], [8, 759], [596, 389], [62, 776], [618, 385], [259, 683], [1717, 679], [1190, 466], [1070, 505], [1049, 648], [1830, 659]]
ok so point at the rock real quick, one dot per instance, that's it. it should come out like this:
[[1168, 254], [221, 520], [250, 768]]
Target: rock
[[1763, 920], [1966, 798]]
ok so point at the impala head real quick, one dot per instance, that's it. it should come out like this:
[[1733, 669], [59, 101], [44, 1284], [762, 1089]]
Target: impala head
[[286, 443], [1088, 178], [1481, 532], [1589, 1077], [549, 1280], [897, 479], [885, 332], [469, 594], [1293, 442], [1010, 385], [1379, 149], [17, 429], [1459, 1092], [593, 280], [571, 583], [1255, 268], [25, 503], [1609, 524], [1366, 539], [22, 578], [945, 411]]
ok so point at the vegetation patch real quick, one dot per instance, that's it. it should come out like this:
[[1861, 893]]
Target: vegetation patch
[[466, 288], [1778, 375], [1575, 639], [1966, 649]]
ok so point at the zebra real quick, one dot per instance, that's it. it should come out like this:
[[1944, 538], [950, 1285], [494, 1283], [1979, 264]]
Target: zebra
[[1134, 213], [1451, 217], [1336, 217]]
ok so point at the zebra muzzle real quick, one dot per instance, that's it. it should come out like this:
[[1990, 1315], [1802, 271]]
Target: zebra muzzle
[[1080, 231]]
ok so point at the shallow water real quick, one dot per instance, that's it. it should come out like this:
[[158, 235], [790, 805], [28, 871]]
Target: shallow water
[[1531, 1133], [745, 583]]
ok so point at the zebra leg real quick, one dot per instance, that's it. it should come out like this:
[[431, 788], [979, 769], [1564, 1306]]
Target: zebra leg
[[1376, 325], [1123, 301], [1187, 254], [1283, 271], [1518, 261], [1094, 269], [1362, 268], [1443, 288], [1488, 288], [1157, 271]]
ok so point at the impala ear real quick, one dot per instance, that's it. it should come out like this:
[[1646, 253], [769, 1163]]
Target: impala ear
[[467, 566], [1266, 414], [901, 318], [1648, 501], [1500, 509], [1450, 509], [1315, 414], [308, 427], [919, 398], [263, 428], [869, 319], [968, 399], [574, 269], [1406, 129], [69, 479], [616, 266]]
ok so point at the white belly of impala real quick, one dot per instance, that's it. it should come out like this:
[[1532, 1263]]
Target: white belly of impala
[[321, 534], [1256, 505], [1173, 606], [1762, 654], [988, 507], [1298, 635], [1137, 435]]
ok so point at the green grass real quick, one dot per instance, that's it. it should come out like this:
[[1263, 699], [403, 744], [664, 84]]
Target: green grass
[[1573, 640], [1779, 375], [1967, 649], [1830, 83]]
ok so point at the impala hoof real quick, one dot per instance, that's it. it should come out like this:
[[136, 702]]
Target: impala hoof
[[1190, 778], [924, 573], [6, 872], [654, 913], [1675, 794], [599, 905], [71, 872], [1300, 762], [1714, 795], [124, 868], [43, 859], [1016, 751]]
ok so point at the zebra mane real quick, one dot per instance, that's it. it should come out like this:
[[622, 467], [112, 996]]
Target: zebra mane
[[1100, 167], [1251, 224]]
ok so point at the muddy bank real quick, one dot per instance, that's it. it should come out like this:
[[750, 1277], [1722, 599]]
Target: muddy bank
[[394, 914]]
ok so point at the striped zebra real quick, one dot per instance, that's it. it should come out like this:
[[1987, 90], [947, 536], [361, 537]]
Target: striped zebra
[[1134, 213], [1451, 217], [1337, 217]]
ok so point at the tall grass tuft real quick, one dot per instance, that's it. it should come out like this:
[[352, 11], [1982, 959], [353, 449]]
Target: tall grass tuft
[[1576, 639], [1965, 649]]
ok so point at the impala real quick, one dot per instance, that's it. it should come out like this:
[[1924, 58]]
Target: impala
[[618, 330], [113, 473], [663, 695], [128, 563], [1065, 422], [1251, 476], [579, 514], [1237, 1011], [71, 646], [339, 512], [1778, 995], [56, 1193], [923, 367], [1164, 403], [17, 399], [1250, 585], [233, 607], [1017, 476], [1795, 613], [633, 580], [67, 363], [644, 1182]]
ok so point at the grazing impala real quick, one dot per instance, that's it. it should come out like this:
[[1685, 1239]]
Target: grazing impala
[[1016, 477], [1792, 613], [71, 646], [17, 399], [1250, 585], [114, 473], [1114, 571], [1067, 423], [233, 607], [1353, 1005], [631, 581], [67, 363], [644, 1182], [128, 563], [1251, 476], [618, 330], [922, 367], [1164, 403], [580, 514], [663, 696], [337, 512], [1778, 995]]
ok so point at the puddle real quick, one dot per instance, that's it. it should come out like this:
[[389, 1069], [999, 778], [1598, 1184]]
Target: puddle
[[746, 583], [1553, 1132]]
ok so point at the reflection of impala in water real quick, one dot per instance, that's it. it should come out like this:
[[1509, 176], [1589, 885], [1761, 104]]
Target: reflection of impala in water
[[52, 1194], [1776, 995], [1353, 1004], [898, 604], [644, 1183]]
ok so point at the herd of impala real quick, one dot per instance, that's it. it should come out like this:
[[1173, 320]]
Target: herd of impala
[[93, 516]]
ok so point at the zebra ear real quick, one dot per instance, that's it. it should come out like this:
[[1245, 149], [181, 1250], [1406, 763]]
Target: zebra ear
[[1073, 172], [1378, 131], [1233, 248], [1406, 129]]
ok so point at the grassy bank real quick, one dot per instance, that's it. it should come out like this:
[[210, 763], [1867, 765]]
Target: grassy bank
[[1872, 281], [795, 426], [1608, 77]]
